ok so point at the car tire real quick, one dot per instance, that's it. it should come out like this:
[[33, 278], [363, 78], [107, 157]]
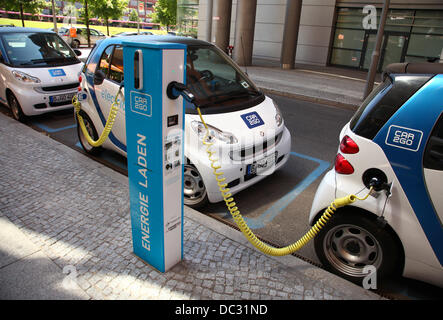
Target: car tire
[[194, 189], [352, 241], [75, 44], [15, 107], [92, 132]]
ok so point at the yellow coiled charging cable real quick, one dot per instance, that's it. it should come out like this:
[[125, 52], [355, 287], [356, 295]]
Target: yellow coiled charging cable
[[235, 212], [109, 122]]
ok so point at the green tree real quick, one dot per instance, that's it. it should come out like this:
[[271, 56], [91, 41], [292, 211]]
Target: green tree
[[165, 13], [133, 16], [28, 6], [107, 9]]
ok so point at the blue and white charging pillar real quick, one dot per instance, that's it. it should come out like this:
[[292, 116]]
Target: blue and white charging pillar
[[155, 144]]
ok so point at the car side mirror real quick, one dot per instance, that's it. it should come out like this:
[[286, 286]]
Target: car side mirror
[[77, 52], [99, 77]]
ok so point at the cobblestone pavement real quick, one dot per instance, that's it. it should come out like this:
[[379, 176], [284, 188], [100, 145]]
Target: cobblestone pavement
[[77, 212]]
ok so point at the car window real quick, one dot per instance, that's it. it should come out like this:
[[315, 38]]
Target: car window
[[105, 60], [216, 81], [116, 71], [433, 158], [383, 102], [93, 32], [37, 50]]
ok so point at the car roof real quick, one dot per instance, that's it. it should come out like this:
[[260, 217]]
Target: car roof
[[155, 38], [415, 68], [22, 30]]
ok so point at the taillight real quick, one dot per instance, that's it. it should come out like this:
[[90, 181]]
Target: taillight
[[342, 165], [348, 146]]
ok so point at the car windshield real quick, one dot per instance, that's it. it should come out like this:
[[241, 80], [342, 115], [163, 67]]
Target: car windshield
[[37, 50], [215, 80]]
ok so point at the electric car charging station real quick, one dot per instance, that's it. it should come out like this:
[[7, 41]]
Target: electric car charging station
[[155, 133]]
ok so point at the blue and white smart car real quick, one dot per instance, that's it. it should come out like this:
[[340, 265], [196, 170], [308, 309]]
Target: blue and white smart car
[[246, 126], [395, 143], [38, 70]]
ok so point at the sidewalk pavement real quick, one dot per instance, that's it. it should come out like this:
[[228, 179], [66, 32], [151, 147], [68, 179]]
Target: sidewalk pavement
[[332, 86], [65, 233]]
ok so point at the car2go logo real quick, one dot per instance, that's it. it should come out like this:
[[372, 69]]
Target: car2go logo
[[141, 103], [404, 138], [252, 119]]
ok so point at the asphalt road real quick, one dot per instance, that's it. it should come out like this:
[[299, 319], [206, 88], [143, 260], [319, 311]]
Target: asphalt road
[[315, 131]]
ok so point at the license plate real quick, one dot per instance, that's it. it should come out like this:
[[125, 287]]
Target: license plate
[[262, 165], [61, 97]]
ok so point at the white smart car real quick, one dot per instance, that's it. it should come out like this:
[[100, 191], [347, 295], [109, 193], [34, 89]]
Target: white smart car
[[247, 126], [394, 142], [39, 71]]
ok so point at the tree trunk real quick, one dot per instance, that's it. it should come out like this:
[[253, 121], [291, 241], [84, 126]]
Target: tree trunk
[[21, 14], [107, 26], [87, 24]]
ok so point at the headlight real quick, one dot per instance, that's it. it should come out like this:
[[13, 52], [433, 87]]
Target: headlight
[[25, 77], [278, 115], [214, 133]]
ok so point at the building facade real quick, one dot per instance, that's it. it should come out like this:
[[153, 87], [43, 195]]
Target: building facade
[[342, 32]]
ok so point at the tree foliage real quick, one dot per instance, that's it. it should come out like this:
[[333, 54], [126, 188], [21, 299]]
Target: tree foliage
[[28, 6], [165, 13], [107, 9]]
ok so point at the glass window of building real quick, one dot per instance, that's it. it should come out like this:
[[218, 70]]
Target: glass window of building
[[409, 35]]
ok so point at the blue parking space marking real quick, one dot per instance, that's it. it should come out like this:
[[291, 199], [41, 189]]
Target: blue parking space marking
[[282, 203], [273, 211], [52, 130]]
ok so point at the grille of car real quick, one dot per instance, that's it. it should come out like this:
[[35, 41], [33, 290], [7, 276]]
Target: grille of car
[[257, 148], [61, 87]]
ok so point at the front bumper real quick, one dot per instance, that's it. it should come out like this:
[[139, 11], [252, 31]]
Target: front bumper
[[235, 171], [34, 102]]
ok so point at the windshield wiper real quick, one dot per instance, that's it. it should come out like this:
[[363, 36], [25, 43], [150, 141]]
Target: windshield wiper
[[51, 59], [232, 95]]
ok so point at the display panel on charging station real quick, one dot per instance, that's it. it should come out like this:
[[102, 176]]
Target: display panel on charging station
[[155, 145]]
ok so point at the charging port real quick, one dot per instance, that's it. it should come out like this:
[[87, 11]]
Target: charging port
[[375, 178]]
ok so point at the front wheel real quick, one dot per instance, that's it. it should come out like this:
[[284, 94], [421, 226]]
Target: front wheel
[[15, 107], [92, 133], [194, 192], [351, 242]]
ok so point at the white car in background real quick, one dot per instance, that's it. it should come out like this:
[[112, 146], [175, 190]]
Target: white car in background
[[38, 70], [81, 37], [246, 126]]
